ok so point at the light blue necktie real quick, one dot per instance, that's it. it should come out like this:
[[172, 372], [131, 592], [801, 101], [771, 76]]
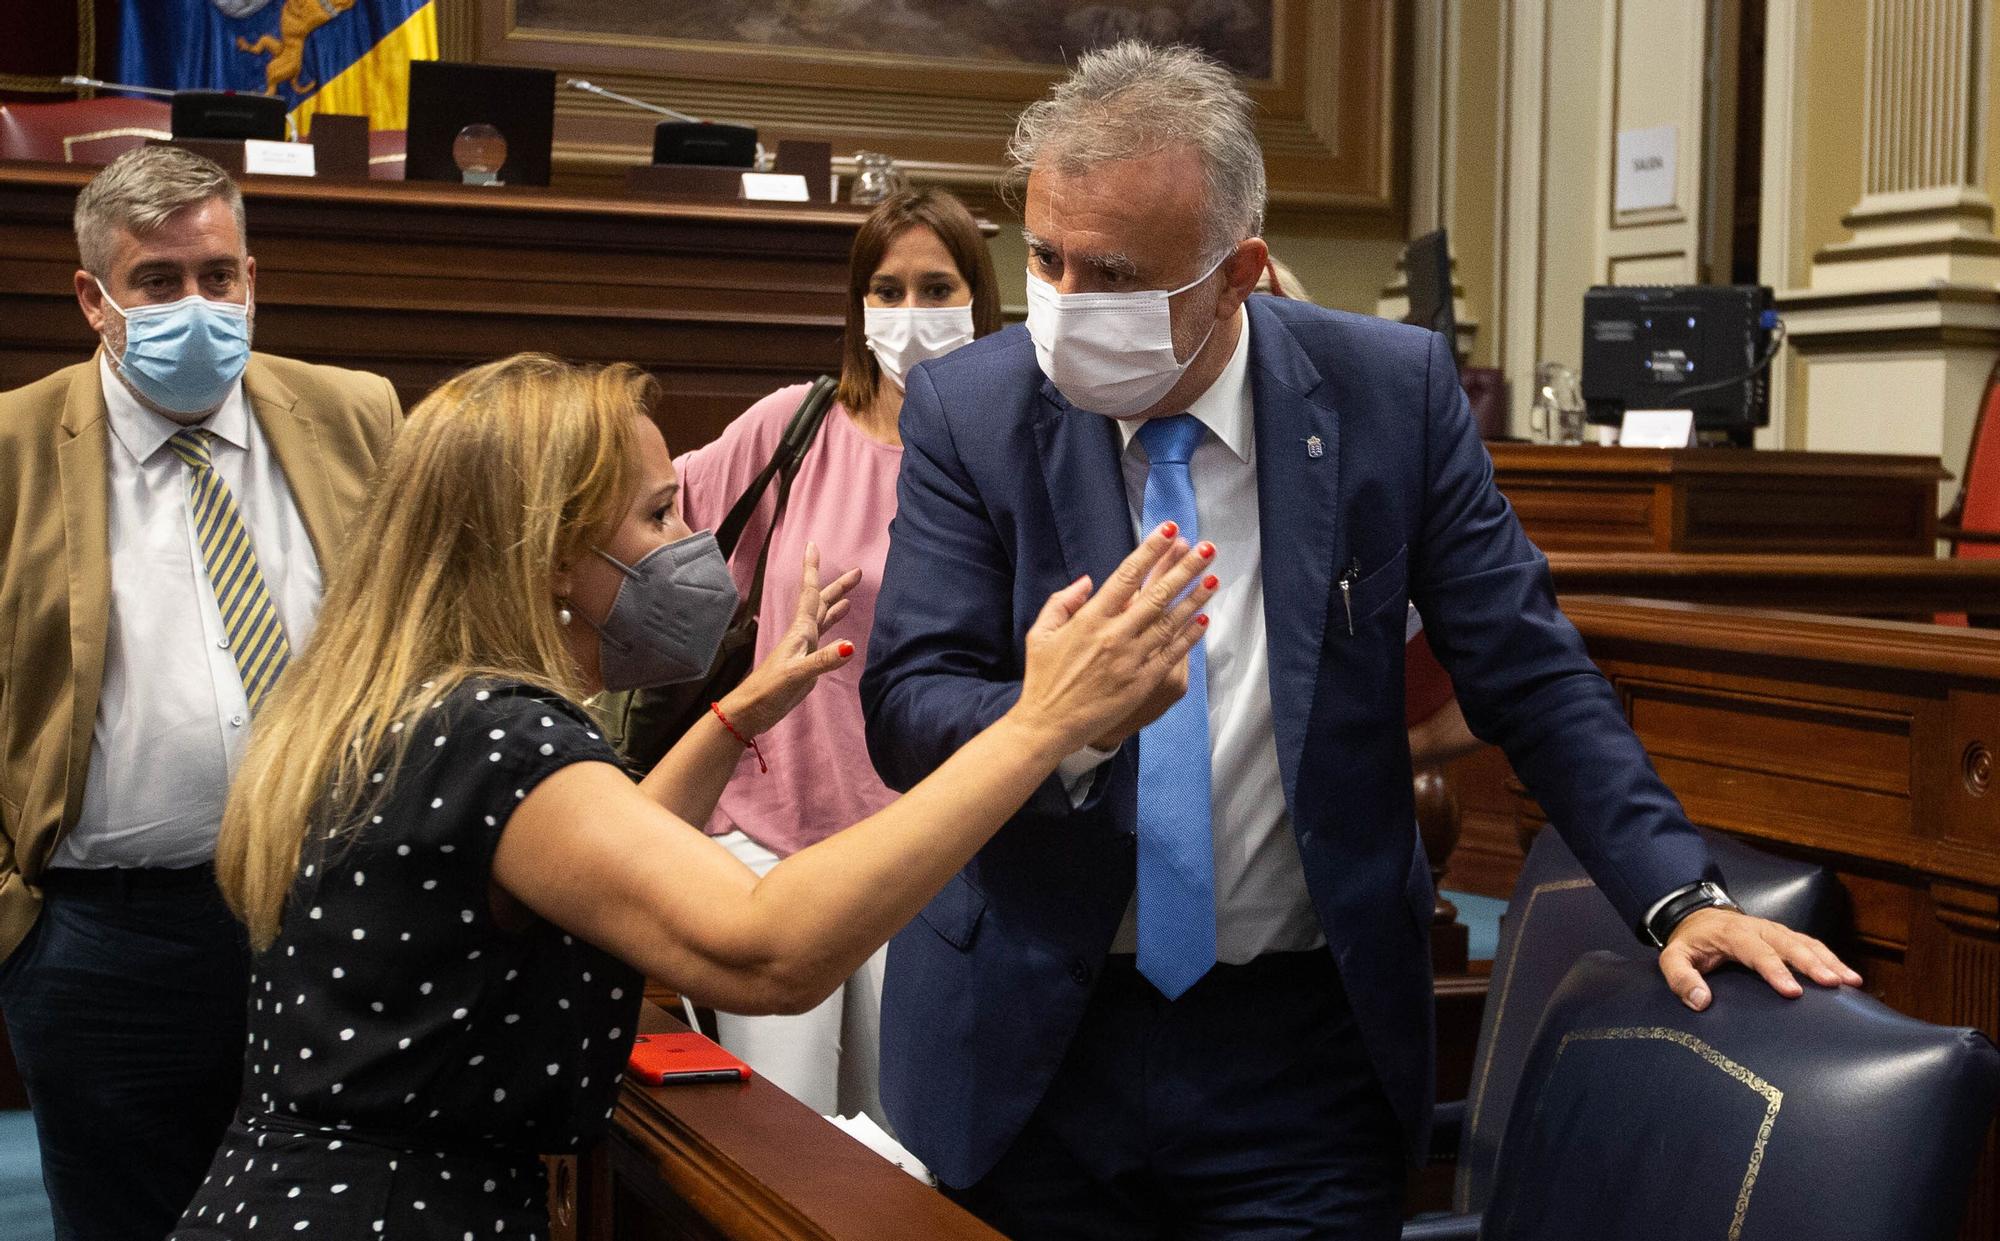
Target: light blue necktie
[[1176, 847]]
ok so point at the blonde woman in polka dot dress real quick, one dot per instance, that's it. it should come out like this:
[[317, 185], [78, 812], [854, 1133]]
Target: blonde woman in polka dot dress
[[453, 889]]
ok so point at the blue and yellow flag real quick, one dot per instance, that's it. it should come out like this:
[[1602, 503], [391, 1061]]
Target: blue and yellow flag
[[317, 55]]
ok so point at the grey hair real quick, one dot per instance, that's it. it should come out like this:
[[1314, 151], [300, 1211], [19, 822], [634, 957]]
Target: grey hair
[[138, 191], [1133, 99]]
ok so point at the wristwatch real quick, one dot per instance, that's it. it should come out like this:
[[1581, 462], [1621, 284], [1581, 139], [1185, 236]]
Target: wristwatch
[[1675, 906]]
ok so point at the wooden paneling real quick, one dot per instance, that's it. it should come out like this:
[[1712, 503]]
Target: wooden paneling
[[723, 302], [1894, 587], [1720, 500], [1328, 116], [1863, 744], [1851, 534]]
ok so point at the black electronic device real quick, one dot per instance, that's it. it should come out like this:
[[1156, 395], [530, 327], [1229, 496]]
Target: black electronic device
[[1427, 274], [227, 115], [445, 97], [705, 142], [1706, 348]]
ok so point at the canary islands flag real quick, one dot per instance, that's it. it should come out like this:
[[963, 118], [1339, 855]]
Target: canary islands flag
[[317, 55]]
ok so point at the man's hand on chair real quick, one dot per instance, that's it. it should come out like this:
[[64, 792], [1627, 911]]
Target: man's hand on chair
[[1707, 938]]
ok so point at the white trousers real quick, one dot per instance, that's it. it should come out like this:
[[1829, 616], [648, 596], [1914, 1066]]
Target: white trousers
[[829, 1059]]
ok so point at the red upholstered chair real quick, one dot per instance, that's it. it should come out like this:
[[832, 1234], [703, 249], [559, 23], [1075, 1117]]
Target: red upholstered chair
[[1972, 527], [82, 131], [386, 148]]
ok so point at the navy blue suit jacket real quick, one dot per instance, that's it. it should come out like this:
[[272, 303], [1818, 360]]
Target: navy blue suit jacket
[[1008, 494]]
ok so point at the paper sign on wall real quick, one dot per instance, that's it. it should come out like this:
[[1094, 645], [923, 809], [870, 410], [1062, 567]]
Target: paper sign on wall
[[1646, 159]]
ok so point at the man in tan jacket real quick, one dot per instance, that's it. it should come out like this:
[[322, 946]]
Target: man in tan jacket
[[167, 512]]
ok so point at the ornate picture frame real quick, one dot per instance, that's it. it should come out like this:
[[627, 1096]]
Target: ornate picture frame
[[1327, 110]]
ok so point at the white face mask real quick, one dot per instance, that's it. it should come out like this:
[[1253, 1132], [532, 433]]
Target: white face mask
[[1110, 353], [902, 336]]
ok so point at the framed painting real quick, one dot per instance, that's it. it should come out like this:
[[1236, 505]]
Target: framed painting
[[937, 83]]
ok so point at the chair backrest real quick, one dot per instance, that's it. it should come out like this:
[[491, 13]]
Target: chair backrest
[[1556, 916], [1759, 1119], [82, 131], [1979, 487]]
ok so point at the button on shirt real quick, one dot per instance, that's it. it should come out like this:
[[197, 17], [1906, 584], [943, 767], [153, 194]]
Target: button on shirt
[[172, 718], [1261, 901]]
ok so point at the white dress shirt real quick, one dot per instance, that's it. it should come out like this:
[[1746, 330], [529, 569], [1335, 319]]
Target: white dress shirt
[[172, 718], [1261, 902]]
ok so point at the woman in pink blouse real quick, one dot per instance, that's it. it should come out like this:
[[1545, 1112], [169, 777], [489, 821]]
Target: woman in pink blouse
[[920, 284]]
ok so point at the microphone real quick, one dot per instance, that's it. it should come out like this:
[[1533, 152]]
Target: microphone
[[71, 79], [595, 89], [684, 139], [261, 109]]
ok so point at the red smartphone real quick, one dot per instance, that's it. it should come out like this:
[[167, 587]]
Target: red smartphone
[[677, 1059]]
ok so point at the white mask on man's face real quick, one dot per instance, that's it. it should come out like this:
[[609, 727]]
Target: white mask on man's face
[[1110, 353], [902, 336]]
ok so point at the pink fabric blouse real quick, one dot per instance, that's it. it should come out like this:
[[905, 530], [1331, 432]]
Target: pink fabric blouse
[[845, 493]]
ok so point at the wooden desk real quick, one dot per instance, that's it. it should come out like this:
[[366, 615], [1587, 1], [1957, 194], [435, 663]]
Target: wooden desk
[[1720, 499], [1892, 587], [1868, 745], [724, 302], [745, 1162]]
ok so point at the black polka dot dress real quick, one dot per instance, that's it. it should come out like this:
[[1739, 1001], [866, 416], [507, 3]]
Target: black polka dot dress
[[409, 1059]]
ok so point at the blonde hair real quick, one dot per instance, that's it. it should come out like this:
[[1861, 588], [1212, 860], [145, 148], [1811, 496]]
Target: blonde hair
[[138, 192], [501, 475]]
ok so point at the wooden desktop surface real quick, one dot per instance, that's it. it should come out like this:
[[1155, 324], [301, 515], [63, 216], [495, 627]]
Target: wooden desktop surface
[[742, 1161], [1587, 498], [724, 302]]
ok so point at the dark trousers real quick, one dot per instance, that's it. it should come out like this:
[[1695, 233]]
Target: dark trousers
[[1247, 1108], [125, 1005]]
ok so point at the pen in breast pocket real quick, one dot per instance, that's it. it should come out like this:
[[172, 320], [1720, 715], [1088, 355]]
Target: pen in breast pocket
[[1347, 581]]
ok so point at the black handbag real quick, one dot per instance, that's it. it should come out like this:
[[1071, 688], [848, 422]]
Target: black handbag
[[645, 724]]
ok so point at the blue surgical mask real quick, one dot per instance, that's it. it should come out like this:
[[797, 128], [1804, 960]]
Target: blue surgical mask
[[183, 356]]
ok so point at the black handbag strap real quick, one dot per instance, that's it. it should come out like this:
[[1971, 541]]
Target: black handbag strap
[[784, 466]]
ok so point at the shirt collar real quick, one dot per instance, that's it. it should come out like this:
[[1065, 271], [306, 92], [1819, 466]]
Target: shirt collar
[[1225, 407], [143, 432]]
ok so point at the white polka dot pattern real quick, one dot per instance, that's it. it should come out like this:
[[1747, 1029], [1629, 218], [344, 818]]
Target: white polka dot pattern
[[407, 1013]]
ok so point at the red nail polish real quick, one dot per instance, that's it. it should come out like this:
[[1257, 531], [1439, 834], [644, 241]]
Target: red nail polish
[[1210, 582], [846, 649], [1170, 529], [1202, 620], [1206, 551]]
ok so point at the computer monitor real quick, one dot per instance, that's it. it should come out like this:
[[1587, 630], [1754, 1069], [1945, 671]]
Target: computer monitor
[[1701, 347], [227, 115], [1427, 272], [445, 97]]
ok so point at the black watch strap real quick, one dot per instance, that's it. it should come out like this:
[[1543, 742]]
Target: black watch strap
[[1678, 904]]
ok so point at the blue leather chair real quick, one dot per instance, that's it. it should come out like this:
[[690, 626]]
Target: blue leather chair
[[1762, 1119], [1557, 915]]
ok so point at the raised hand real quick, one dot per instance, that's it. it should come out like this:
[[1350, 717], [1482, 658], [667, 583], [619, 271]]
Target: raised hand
[[1095, 659], [784, 678]]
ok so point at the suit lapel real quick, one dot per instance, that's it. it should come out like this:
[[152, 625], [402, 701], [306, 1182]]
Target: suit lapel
[[1298, 513], [83, 463], [1080, 466], [295, 443]]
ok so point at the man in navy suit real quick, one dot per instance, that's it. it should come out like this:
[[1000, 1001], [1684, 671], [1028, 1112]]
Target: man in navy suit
[[1186, 990]]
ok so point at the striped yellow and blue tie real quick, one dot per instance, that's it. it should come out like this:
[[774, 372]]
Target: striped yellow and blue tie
[[249, 620]]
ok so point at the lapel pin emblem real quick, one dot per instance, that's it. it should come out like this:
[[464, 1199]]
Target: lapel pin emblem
[[1314, 448]]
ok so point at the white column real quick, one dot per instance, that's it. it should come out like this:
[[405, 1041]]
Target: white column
[[1898, 325]]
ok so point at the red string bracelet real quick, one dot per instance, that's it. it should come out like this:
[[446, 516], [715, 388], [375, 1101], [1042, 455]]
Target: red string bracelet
[[749, 743]]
